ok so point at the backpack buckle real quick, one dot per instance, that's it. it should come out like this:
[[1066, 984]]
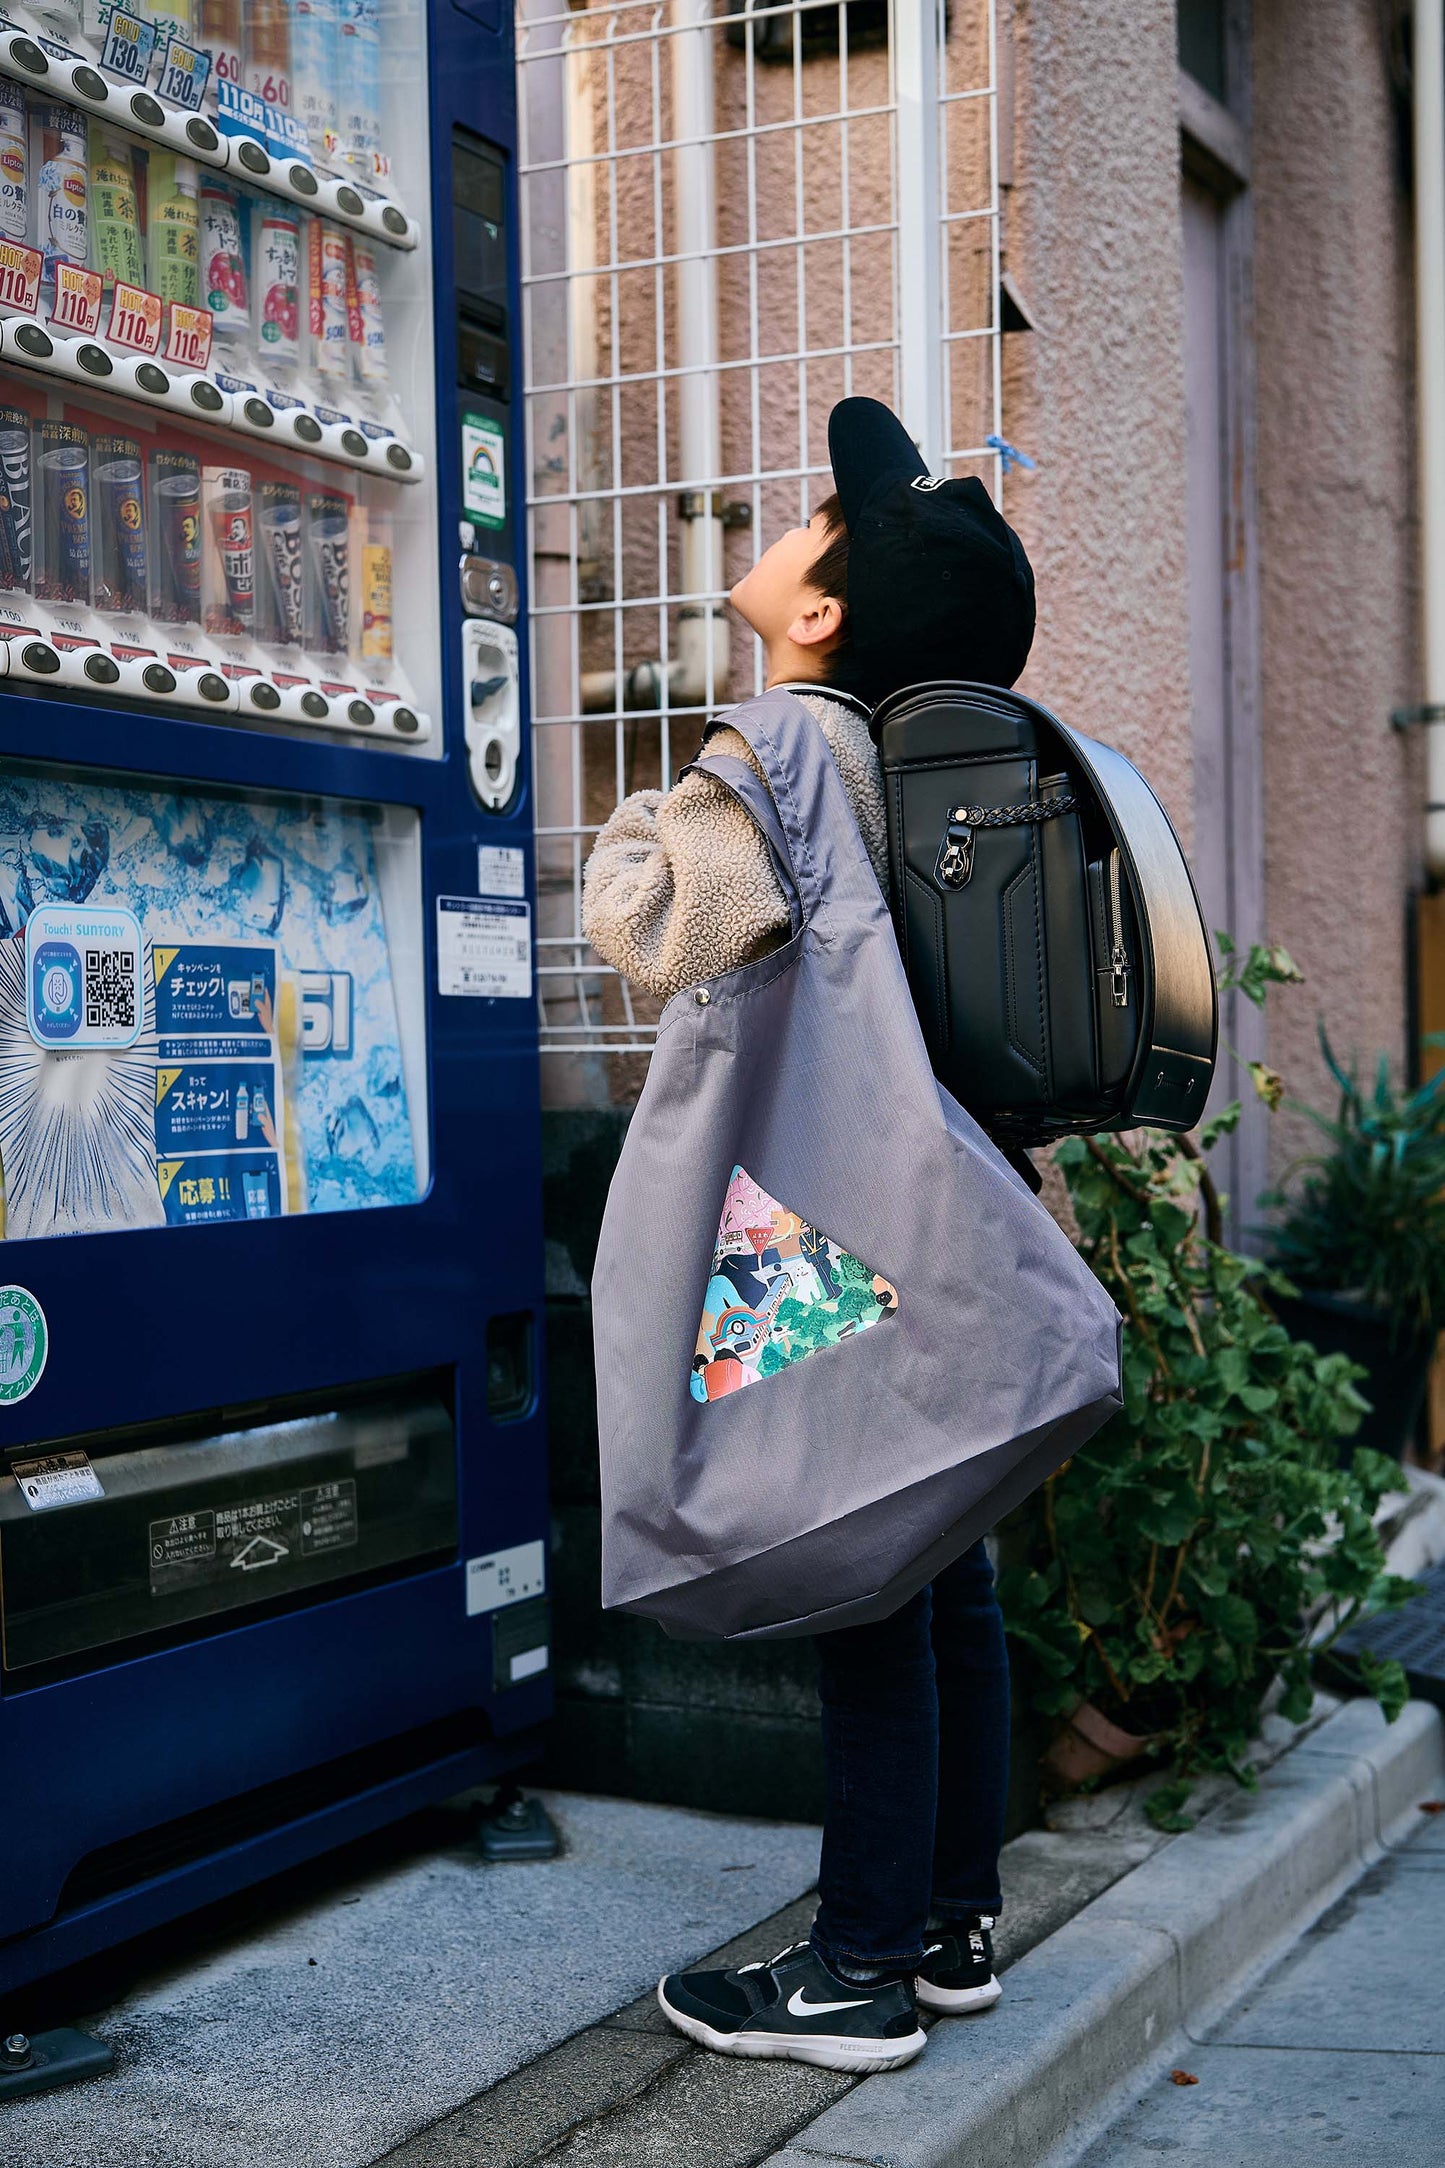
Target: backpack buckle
[[955, 857]]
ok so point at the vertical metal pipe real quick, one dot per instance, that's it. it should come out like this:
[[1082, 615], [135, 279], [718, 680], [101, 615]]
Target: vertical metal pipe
[[920, 287], [1429, 75], [702, 633]]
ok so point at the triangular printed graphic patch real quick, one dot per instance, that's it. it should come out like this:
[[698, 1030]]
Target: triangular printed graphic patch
[[778, 1290]]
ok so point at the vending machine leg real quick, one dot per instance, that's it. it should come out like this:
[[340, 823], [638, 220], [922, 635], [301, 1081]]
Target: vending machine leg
[[514, 1828], [38, 2063]]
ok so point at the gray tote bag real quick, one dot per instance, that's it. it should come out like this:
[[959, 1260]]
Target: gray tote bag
[[836, 1335]]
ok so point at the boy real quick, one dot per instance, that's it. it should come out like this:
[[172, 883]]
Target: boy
[[897, 579]]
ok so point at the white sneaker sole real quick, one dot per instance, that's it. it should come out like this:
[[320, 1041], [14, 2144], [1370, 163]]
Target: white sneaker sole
[[828, 2051], [956, 2001]]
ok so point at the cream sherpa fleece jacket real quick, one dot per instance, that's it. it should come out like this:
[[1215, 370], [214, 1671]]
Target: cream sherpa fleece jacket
[[680, 885]]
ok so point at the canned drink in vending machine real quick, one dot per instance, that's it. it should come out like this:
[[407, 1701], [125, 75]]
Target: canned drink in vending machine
[[120, 538], [173, 227], [282, 614], [315, 71], [14, 164], [329, 355], [62, 187], [15, 535], [175, 494], [365, 322], [375, 632], [267, 51], [229, 569], [221, 35], [224, 288], [328, 573], [114, 214], [62, 466], [276, 282]]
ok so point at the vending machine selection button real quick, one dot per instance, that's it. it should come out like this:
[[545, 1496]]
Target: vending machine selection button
[[147, 110], [91, 85], [265, 696], [361, 713], [203, 135], [26, 54], [207, 398], [32, 340], [307, 428], [157, 678], [150, 378], [349, 201], [211, 686], [101, 670], [94, 360], [35, 655], [315, 704], [303, 180], [251, 156]]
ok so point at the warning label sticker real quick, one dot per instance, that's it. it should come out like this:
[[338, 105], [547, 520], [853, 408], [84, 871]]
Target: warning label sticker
[[254, 1536], [56, 1479]]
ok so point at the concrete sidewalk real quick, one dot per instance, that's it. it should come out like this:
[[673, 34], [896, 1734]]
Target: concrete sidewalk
[[1339, 2052]]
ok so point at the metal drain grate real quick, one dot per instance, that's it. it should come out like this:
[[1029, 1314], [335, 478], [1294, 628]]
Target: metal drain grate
[[1414, 1635]]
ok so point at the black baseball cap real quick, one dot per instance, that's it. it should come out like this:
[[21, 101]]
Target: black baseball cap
[[938, 582]]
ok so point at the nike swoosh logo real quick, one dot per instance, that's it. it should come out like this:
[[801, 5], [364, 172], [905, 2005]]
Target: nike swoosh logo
[[799, 2005]]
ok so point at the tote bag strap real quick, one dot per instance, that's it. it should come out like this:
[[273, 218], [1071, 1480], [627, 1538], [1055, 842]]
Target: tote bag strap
[[752, 792], [834, 875]]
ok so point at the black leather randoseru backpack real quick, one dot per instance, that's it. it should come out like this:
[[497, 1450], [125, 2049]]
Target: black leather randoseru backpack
[[1049, 927]]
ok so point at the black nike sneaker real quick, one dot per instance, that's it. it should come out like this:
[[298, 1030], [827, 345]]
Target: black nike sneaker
[[794, 2009], [956, 1975]]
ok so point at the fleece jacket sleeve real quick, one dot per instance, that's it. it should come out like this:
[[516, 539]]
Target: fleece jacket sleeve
[[680, 885]]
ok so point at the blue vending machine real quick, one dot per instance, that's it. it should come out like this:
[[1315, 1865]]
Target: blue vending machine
[[272, 1482]]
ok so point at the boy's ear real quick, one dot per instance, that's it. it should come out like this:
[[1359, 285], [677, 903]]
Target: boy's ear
[[819, 621]]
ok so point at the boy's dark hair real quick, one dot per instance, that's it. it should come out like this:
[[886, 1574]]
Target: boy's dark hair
[[829, 575]]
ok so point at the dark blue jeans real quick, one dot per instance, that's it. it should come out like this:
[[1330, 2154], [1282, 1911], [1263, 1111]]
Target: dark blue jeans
[[915, 1753]]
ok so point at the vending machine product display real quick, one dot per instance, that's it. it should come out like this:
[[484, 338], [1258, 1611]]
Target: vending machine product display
[[272, 1496]]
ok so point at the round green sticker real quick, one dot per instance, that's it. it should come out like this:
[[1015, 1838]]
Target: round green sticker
[[24, 1343]]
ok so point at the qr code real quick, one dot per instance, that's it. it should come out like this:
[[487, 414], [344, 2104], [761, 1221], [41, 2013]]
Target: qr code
[[110, 989]]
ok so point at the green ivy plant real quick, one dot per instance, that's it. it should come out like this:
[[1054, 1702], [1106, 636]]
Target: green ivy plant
[[1175, 1567]]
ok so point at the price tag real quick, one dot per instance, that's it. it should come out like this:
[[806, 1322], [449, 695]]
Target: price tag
[[135, 319], [19, 277], [129, 44], [78, 295], [184, 75], [188, 335]]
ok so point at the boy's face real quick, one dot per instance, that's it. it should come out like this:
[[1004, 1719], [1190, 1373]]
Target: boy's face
[[777, 599]]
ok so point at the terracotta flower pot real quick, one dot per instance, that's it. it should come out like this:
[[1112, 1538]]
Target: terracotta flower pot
[[1088, 1745]]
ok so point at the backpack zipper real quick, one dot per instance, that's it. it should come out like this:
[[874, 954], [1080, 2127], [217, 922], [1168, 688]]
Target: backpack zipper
[[1118, 955]]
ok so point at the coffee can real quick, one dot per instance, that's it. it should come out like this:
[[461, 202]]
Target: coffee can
[[175, 492], [15, 533], [230, 562], [120, 541], [282, 616], [328, 573], [62, 462]]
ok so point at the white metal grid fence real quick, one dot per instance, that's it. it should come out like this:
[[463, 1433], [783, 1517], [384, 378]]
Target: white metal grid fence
[[732, 216]]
